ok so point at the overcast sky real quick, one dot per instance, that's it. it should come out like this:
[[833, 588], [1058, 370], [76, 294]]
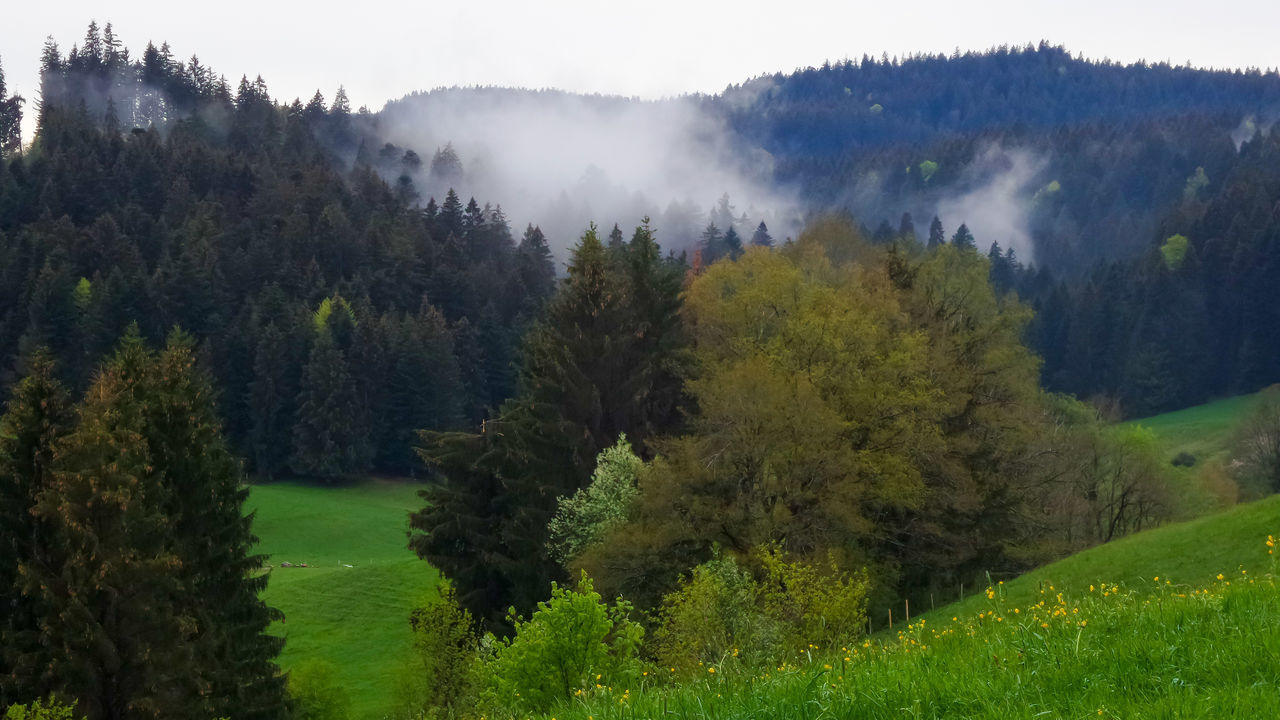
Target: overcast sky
[[381, 50]]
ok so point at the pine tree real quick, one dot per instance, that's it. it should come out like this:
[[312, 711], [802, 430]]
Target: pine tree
[[38, 414], [10, 119], [330, 437], [732, 243], [268, 400], [712, 244], [120, 641], [936, 235], [221, 576], [963, 238], [761, 237]]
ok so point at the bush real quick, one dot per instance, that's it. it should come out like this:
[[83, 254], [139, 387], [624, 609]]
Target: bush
[[1184, 459], [49, 709], [572, 642], [716, 614], [317, 694], [760, 613], [583, 518], [444, 635]]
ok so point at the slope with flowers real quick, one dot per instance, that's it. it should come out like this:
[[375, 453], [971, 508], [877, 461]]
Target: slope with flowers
[[1183, 621]]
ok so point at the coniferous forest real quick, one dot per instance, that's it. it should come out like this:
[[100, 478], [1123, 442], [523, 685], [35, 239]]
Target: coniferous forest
[[753, 438]]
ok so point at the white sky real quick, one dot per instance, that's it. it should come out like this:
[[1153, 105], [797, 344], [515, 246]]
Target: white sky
[[381, 50]]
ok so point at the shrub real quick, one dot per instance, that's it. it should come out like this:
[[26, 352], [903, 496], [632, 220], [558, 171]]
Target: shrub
[[583, 518], [445, 638], [571, 642], [317, 694], [49, 709], [814, 604], [1184, 459], [759, 613], [714, 615]]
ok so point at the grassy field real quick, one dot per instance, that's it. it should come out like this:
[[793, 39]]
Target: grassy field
[[355, 617], [1205, 650], [1178, 622], [1205, 432]]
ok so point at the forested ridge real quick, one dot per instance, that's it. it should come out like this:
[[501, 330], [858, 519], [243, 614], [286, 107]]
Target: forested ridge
[[751, 444]]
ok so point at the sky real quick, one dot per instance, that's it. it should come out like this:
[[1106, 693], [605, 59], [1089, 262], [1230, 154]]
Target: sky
[[382, 50]]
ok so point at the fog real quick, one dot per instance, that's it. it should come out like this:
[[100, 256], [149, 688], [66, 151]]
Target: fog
[[997, 206], [560, 161]]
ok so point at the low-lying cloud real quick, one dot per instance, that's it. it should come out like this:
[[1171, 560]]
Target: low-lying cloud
[[997, 206], [561, 160]]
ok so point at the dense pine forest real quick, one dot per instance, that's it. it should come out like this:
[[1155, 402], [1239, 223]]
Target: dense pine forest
[[754, 439]]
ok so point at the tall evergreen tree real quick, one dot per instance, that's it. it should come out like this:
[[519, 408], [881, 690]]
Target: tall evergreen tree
[[936, 234], [761, 237], [330, 435], [963, 238], [38, 414]]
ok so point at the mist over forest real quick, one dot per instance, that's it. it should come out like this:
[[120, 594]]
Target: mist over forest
[[729, 377]]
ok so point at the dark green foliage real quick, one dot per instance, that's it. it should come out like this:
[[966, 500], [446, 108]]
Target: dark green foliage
[[142, 592], [607, 357], [236, 223], [38, 414], [330, 436]]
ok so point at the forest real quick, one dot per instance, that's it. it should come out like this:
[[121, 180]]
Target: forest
[[754, 440]]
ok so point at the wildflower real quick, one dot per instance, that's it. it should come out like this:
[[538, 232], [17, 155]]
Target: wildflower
[[1219, 576], [711, 670]]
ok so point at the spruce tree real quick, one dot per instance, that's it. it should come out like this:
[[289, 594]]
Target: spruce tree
[[936, 235], [37, 415], [761, 237], [330, 438], [963, 238]]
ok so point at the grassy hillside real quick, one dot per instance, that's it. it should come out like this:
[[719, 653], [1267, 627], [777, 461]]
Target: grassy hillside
[[1205, 651], [355, 617], [1206, 433], [1188, 552], [1204, 430], [1179, 622]]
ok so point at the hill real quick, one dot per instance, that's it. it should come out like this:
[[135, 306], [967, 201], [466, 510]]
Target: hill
[[350, 605], [1188, 552]]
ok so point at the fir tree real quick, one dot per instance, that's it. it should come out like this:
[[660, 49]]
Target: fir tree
[[330, 438], [761, 237], [38, 414], [936, 234]]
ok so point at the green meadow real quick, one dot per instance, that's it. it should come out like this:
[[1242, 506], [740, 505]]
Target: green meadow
[[350, 605]]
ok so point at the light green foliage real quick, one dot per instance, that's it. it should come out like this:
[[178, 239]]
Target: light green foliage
[[1174, 251], [317, 692], [49, 709], [444, 636], [324, 319], [715, 615], [816, 605], [82, 295], [1197, 647], [584, 517], [758, 613], [1195, 184], [574, 641], [927, 169]]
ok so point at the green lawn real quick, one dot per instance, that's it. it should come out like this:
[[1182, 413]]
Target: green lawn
[[355, 617]]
